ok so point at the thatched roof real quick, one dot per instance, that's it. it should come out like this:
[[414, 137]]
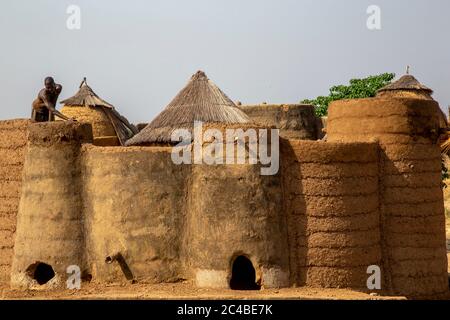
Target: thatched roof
[[406, 83], [199, 100], [86, 97]]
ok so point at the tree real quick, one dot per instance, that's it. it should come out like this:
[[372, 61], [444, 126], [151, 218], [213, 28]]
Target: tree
[[358, 88]]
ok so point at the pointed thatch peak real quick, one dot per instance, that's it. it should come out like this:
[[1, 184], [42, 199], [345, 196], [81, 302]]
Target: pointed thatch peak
[[86, 97], [199, 76], [406, 83], [199, 100], [94, 108]]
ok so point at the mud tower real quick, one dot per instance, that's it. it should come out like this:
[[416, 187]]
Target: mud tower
[[134, 213], [236, 228], [331, 203], [405, 124], [233, 226], [50, 224]]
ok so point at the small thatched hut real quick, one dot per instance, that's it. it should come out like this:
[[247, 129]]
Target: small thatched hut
[[199, 100], [108, 126], [406, 87], [409, 87]]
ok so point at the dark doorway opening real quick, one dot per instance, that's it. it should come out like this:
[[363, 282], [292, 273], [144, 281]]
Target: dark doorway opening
[[41, 272], [243, 275]]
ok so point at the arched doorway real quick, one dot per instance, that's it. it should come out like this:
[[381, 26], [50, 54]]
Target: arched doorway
[[243, 275]]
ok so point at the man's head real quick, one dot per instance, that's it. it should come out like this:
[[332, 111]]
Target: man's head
[[49, 83]]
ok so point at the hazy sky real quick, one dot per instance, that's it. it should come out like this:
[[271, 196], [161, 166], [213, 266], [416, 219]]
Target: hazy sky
[[138, 54]]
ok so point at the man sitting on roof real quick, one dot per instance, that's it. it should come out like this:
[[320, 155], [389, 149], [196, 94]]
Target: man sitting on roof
[[44, 106]]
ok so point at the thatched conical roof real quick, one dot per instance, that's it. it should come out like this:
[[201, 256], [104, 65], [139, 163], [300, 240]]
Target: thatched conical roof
[[87, 98], [199, 100], [406, 83]]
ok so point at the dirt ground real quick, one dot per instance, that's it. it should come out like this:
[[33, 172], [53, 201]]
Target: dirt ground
[[186, 291]]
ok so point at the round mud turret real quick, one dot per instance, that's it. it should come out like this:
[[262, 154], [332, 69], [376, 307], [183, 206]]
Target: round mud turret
[[411, 200], [331, 194], [134, 209], [50, 227], [236, 229]]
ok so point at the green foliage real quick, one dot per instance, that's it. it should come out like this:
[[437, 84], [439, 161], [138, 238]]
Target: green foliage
[[358, 88]]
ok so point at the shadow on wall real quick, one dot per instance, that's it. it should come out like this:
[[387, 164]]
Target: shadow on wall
[[295, 209]]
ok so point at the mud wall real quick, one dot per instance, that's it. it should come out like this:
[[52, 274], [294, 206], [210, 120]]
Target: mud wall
[[134, 205], [13, 139], [233, 211], [411, 200], [331, 194], [295, 121], [50, 222]]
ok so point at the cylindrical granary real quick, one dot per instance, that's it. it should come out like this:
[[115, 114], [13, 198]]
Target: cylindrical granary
[[236, 228], [102, 128], [411, 200], [49, 236], [331, 194], [134, 208]]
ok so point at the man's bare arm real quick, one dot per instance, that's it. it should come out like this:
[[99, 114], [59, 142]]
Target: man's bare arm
[[58, 114], [50, 106]]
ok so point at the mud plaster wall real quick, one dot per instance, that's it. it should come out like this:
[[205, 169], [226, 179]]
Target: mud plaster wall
[[82, 203], [134, 204], [234, 211], [412, 212], [294, 121], [331, 198], [13, 141], [50, 222]]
